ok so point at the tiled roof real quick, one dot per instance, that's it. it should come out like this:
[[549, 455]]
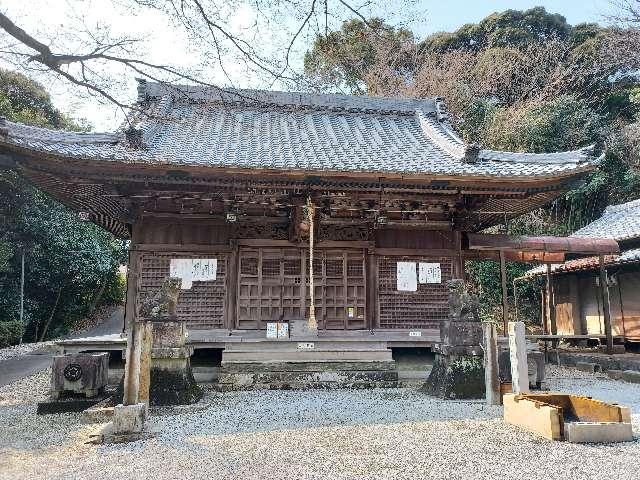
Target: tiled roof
[[588, 263], [620, 222], [249, 129]]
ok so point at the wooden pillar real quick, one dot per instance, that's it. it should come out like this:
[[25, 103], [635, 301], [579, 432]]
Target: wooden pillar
[[458, 261], [232, 287], [372, 288], [134, 334], [503, 284], [606, 306], [491, 379], [551, 304]]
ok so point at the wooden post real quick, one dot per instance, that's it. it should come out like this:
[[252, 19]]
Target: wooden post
[[606, 306], [144, 382], [231, 314], [518, 356], [22, 296], [503, 283], [491, 371], [551, 304], [134, 335], [371, 288]]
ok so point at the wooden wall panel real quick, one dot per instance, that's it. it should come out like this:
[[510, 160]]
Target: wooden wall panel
[[629, 284], [416, 239], [421, 309], [179, 231]]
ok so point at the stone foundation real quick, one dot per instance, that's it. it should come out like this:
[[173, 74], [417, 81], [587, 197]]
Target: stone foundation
[[456, 376]]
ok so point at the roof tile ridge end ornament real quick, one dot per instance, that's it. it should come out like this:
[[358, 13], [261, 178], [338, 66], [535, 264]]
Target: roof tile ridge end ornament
[[435, 127]]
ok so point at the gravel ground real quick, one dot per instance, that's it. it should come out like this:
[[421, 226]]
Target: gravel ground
[[375, 434], [24, 349]]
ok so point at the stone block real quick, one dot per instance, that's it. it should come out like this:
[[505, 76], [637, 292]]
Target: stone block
[[170, 334], [598, 432], [79, 373], [129, 418], [456, 377], [617, 349], [615, 374], [460, 333], [631, 376], [588, 367]]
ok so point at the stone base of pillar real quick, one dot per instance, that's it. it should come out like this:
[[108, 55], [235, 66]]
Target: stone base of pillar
[[456, 376], [172, 381]]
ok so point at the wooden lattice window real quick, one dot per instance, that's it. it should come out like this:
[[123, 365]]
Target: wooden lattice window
[[423, 308], [203, 305]]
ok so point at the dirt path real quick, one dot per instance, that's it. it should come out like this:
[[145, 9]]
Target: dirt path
[[20, 366]]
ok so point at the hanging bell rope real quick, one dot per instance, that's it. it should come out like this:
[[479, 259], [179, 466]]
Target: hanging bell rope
[[313, 325]]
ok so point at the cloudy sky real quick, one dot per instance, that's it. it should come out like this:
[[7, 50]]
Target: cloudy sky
[[162, 42]]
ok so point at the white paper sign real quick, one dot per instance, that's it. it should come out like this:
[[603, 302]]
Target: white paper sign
[[429, 273], [283, 329], [272, 330], [407, 279], [193, 270]]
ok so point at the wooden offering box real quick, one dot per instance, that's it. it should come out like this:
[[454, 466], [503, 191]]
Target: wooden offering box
[[573, 418]]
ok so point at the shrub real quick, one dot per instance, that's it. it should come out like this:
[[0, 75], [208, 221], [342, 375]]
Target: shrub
[[10, 333]]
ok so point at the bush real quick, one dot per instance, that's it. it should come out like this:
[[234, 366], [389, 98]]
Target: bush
[[10, 333], [116, 290]]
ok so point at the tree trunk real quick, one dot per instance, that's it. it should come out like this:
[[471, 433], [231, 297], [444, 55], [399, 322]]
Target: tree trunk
[[53, 311]]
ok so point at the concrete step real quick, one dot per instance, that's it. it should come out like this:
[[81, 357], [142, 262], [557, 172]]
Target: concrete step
[[307, 367], [230, 356]]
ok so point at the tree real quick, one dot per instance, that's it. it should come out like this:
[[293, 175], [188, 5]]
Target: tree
[[344, 57], [67, 261]]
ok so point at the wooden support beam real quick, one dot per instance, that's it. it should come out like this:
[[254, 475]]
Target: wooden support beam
[[606, 306], [371, 288], [551, 304], [503, 284], [134, 345], [231, 314]]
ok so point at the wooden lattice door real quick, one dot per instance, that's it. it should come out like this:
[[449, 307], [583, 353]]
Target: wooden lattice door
[[340, 289], [273, 286], [270, 287]]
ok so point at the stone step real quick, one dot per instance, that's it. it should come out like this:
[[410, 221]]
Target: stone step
[[239, 367], [329, 376], [294, 345], [230, 356]]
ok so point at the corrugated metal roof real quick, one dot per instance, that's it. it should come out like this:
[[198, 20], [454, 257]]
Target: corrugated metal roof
[[198, 126]]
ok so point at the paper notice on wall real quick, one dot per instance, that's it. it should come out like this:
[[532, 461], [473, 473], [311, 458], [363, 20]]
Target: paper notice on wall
[[272, 330], [193, 270], [407, 279], [429, 273]]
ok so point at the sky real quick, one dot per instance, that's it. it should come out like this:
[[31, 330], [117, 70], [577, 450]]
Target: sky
[[164, 44]]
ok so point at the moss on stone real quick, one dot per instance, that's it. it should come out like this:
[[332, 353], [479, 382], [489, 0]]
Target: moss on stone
[[456, 377]]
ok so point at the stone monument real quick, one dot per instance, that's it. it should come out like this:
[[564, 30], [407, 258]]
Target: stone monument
[[458, 370], [171, 378]]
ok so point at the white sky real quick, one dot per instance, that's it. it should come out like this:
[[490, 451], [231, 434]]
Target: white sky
[[163, 43]]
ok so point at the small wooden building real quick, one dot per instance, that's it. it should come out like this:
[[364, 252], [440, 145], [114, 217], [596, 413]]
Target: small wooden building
[[576, 294], [231, 176]]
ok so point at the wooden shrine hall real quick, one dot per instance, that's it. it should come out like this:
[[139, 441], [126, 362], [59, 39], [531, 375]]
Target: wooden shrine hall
[[235, 181]]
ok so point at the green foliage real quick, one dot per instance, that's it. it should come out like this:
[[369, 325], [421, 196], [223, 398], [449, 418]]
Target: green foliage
[[62, 254], [342, 57], [505, 29], [10, 333]]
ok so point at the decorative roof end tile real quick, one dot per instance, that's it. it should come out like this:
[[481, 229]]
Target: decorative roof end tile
[[135, 138], [471, 152]]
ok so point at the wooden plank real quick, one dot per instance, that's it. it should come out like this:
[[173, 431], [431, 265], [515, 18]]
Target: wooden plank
[[173, 247], [411, 252], [551, 306], [536, 417], [371, 289]]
